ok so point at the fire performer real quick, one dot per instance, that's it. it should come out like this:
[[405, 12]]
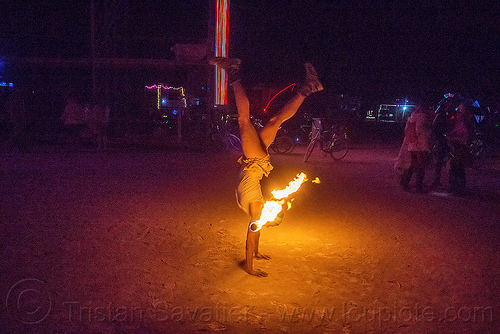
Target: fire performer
[[255, 162]]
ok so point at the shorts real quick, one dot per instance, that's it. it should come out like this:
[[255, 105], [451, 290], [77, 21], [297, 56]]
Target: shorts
[[249, 189]]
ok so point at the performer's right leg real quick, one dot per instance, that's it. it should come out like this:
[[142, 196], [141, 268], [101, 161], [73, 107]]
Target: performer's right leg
[[250, 140]]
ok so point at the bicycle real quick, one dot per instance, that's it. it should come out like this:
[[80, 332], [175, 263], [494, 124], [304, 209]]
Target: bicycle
[[477, 151], [282, 143], [330, 140], [224, 133]]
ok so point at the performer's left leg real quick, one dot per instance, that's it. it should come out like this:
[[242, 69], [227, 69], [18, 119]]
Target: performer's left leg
[[310, 85], [268, 132]]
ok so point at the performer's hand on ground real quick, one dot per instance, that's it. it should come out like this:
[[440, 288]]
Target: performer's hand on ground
[[260, 256]]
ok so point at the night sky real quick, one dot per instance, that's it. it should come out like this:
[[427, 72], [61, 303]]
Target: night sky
[[376, 46], [386, 48]]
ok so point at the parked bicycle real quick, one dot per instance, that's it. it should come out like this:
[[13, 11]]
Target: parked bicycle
[[282, 143], [330, 140], [225, 133], [477, 150]]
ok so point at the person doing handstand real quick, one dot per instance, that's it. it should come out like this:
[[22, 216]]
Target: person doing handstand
[[255, 162]]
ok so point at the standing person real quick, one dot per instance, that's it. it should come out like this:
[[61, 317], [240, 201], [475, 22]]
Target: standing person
[[20, 120], [255, 162], [73, 118], [441, 125], [458, 140], [417, 139], [98, 122]]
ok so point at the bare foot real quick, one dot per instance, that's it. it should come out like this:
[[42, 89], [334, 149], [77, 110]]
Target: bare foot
[[257, 272], [260, 256]]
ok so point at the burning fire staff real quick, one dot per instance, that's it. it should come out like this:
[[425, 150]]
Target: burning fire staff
[[255, 162]]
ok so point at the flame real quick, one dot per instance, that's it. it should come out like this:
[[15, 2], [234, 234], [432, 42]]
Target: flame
[[292, 187], [316, 180], [272, 208]]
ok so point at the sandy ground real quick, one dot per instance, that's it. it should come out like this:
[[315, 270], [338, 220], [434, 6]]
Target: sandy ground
[[151, 241]]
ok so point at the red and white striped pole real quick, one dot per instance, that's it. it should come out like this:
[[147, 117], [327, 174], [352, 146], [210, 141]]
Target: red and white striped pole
[[221, 50]]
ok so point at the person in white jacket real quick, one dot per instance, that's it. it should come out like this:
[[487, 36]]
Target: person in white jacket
[[417, 139]]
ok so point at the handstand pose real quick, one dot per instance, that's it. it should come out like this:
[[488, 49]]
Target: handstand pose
[[255, 162]]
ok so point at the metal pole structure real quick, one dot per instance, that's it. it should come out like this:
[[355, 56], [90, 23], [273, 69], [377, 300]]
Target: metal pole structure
[[209, 95], [93, 52], [221, 49]]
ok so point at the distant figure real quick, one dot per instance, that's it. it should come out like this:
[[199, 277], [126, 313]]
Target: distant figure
[[458, 140], [440, 126], [20, 121], [73, 118], [255, 162], [415, 151], [98, 121]]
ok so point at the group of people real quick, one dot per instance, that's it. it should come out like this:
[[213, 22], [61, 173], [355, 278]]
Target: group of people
[[76, 119], [449, 131]]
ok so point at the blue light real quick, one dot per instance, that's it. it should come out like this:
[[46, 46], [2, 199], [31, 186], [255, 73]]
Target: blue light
[[163, 101], [476, 104], [174, 112]]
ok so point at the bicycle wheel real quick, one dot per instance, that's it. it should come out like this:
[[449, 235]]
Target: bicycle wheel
[[234, 142], [217, 141], [326, 146], [435, 154], [309, 149], [478, 153], [440, 155], [338, 148], [283, 145]]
